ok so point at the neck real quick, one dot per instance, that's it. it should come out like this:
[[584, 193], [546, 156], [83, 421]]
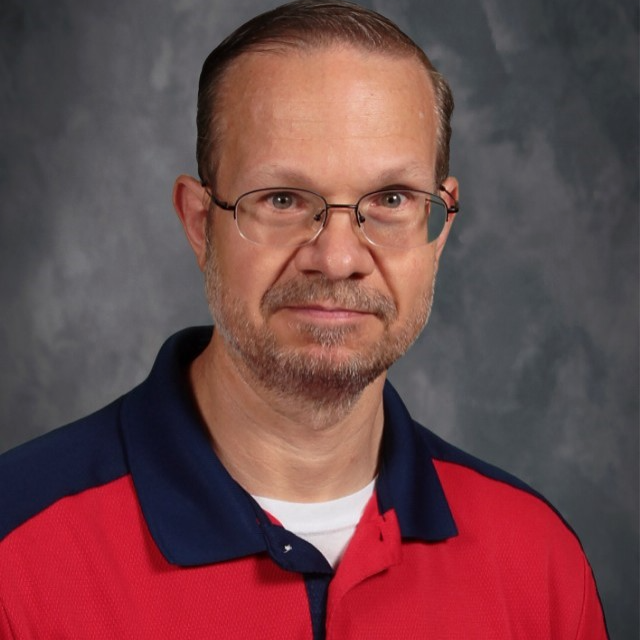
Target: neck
[[283, 447]]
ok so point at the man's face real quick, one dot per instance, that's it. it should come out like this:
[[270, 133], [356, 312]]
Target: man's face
[[325, 319]]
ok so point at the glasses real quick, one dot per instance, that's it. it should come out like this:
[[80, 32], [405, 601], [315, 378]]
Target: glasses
[[284, 217]]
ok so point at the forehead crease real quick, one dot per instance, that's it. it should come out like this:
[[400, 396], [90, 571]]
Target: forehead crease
[[356, 105], [285, 176]]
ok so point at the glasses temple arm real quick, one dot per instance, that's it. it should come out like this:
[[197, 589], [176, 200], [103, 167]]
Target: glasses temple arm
[[217, 201], [451, 208]]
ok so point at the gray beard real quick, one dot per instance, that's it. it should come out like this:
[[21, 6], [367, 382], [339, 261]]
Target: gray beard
[[320, 379]]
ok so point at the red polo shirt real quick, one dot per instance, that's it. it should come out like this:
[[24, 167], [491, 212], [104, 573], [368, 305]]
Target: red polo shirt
[[126, 525]]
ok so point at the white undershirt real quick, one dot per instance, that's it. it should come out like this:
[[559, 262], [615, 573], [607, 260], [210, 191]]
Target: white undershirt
[[328, 526]]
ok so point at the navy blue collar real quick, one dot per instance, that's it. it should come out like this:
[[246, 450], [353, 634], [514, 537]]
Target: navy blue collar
[[197, 514]]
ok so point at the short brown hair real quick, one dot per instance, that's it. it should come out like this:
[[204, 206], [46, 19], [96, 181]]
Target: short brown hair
[[312, 23]]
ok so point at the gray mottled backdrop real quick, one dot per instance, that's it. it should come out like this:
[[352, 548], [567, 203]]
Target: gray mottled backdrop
[[531, 357]]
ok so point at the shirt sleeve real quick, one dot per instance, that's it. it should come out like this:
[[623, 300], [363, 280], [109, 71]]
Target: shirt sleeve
[[592, 623]]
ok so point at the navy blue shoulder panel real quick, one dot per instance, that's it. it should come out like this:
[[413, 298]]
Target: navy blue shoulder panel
[[442, 450], [82, 455]]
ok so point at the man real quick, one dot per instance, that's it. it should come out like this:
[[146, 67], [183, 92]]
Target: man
[[265, 481]]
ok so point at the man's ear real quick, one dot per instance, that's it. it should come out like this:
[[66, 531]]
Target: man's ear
[[450, 196], [191, 202]]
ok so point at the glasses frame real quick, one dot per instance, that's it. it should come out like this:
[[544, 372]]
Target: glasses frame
[[450, 209]]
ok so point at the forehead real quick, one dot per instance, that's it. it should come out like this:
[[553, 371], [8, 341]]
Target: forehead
[[282, 106]]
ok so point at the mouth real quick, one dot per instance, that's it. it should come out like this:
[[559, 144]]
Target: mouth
[[327, 312]]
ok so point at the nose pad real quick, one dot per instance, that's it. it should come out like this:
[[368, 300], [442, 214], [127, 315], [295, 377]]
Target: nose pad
[[339, 250], [359, 218]]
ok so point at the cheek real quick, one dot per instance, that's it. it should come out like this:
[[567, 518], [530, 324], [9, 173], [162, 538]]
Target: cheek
[[410, 279], [247, 270]]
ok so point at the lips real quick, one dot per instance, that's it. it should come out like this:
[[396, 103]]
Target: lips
[[330, 307], [328, 311]]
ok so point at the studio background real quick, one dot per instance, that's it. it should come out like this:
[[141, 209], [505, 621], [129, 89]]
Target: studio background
[[530, 360]]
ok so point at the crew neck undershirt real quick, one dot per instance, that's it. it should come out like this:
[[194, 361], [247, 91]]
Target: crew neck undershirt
[[328, 526]]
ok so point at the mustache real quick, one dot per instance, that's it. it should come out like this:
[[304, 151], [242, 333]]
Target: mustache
[[346, 294]]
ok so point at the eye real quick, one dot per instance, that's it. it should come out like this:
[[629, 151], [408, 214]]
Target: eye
[[282, 203], [391, 205], [281, 200], [392, 199]]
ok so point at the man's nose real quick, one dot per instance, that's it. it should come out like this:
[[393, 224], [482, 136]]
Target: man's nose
[[340, 251]]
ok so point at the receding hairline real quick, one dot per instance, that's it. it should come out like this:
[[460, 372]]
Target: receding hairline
[[282, 48], [295, 42]]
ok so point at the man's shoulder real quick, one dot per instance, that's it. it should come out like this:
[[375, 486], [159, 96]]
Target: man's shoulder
[[456, 491], [95, 450], [445, 453], [483, 496], [66, 461], [509, 540]]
